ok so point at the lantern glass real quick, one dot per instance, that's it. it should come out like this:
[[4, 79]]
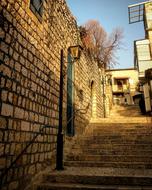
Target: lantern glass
[[75, 51]]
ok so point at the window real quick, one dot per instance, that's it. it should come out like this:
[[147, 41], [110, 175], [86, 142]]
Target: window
[[136, 12], [125, 81], [37, 7]]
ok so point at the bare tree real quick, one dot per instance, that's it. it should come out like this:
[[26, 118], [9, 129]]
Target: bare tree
[[99, 44]]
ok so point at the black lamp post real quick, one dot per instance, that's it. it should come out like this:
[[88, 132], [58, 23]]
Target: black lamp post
[[75, 54]]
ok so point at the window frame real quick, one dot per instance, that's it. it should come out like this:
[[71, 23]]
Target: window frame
[[38, 13]]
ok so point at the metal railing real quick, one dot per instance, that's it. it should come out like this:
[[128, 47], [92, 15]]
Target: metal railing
[[81, 110]]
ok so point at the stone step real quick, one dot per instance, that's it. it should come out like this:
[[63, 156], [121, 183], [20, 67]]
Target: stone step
[[107, 130], [111, 143], [128, 124], [136, 113], [118, 129], [119, 135], [110, 158], [121, 126], [98, 180], [98, 134], [129, 165], [121, 119], [115, 137], [111, 152], [129, 152], [114, 146], [69, 186], [115, 114], [118, 140]]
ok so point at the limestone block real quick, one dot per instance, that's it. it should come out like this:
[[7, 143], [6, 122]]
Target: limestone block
[[25, 126], [2, 162], [3, 3], [4, 47], [16, 56], [31, 116], [15, 99], [7, 149], [22, 61], [7, 110], [8, 84], [11, 136], [17, 137], [2, 147], [3, 122], [25, 52], [4, 95], [17, 6], [13, 185], [1, 56], [10, 97], [1, 136], [26, 115], [8, 38], [10, 123], [31, 169], [30, 57], [20, 49], [19, 113], [11, 51], [2, 33]]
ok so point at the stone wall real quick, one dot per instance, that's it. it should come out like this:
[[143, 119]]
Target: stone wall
[[29, 79]]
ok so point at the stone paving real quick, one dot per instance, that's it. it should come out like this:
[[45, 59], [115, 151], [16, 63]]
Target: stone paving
[[97, 171], [123, 114]]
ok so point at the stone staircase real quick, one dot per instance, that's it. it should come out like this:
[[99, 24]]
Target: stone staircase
[[125, 111], [114, 154]]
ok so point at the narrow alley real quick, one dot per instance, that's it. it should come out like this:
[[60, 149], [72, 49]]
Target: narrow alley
[[72, 74]]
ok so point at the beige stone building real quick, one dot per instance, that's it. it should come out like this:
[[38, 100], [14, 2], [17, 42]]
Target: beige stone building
[[124, 83], [32, 35], [143, 48]]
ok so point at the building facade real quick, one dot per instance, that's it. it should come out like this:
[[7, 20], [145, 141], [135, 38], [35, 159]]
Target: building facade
[[124, 83], [32, 35], [143, 48]]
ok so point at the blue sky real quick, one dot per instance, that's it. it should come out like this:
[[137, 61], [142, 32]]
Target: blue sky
[[111, 14]]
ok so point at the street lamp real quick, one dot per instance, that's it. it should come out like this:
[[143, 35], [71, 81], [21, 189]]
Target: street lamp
[[74, 52]]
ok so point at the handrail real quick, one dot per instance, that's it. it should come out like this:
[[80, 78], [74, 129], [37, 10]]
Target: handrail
[[77, 110], [4, 173]]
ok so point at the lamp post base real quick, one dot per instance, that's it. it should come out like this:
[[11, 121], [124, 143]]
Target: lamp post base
[[59, 159]]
